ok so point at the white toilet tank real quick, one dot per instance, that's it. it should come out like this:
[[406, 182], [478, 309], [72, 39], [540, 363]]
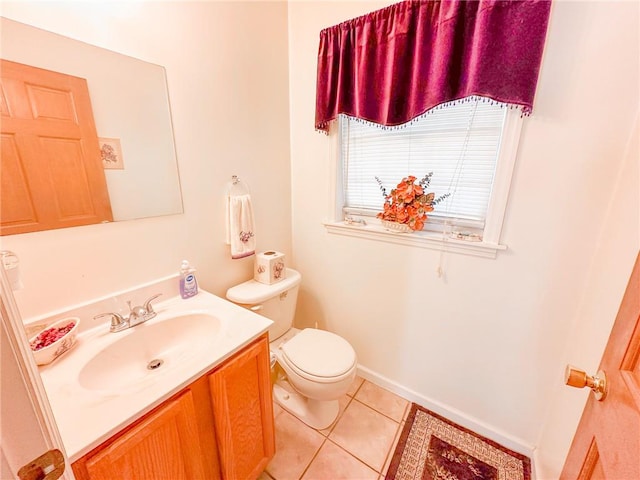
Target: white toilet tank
[[277, 301]]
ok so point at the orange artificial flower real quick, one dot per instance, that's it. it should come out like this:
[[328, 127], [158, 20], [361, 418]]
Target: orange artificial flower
[[408, 203]]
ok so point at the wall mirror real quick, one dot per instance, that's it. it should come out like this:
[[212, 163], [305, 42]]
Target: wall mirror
[[131, 110]]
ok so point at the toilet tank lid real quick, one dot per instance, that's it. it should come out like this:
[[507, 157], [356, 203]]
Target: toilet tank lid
[[252, 292]]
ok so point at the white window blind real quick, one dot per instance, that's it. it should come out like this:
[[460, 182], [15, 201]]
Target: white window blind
[[459, 143]]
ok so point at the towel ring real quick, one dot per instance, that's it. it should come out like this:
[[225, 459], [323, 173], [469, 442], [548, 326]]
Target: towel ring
[[237, 187]]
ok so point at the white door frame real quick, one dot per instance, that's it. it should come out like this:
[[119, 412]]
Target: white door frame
[[38, 429]]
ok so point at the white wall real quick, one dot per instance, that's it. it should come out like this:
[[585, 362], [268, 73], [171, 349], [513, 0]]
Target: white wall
[[608, 273], [226, 66], [488, 339], [492, 337]]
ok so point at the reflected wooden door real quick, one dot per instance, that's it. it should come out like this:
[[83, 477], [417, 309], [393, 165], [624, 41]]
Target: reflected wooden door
[[51, 170], [607, 442]]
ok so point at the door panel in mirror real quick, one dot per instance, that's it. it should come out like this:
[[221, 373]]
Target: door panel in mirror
[[54, 167], [130, 103], [16, 207]]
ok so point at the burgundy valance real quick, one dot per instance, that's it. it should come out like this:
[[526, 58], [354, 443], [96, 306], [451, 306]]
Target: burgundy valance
[[395, 64]]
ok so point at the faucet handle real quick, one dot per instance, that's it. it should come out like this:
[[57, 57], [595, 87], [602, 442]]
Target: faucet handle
[[118, 322], [147, 305]]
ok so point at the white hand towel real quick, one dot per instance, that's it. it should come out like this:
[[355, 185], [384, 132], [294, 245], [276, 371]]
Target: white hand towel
[[240, 233]]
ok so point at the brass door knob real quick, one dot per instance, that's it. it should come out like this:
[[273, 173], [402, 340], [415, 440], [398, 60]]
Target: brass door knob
[[579, 379]]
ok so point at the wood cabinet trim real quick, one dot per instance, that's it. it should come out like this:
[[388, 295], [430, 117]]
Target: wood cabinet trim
[[207, 399], [236, 454]]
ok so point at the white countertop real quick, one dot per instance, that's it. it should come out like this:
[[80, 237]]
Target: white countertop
[[87, 417]]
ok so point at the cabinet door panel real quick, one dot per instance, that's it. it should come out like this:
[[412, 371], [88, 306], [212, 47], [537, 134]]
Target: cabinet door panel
[[243, 412], [163, 446]]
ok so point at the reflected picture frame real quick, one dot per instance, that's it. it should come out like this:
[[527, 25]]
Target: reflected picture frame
[[111, 153]]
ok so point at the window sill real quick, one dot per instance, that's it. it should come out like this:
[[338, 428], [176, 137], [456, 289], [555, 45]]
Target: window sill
[[430, 240]]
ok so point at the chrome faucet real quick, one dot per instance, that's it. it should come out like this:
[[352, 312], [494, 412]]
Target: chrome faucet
[[137, 315], [118, 322]]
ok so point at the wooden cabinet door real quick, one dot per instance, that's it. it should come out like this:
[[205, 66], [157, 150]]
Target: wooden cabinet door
[[243, 412], [164, 445], [51, 169]]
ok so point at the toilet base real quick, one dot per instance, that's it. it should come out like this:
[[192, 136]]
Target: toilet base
[[317, 414]]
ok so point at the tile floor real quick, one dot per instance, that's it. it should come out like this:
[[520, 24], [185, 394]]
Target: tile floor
[[358, 446]]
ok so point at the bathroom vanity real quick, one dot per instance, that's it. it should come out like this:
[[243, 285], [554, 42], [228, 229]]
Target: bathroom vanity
[[206, 412], [220, 426]]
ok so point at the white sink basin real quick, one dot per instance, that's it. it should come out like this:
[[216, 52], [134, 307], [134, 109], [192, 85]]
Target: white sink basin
[[146, 351], [103, 384]]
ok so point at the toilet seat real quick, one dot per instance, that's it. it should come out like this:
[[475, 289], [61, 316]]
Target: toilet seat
[[318, 355]]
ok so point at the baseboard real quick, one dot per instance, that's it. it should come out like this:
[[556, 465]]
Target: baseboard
[[454, 415]]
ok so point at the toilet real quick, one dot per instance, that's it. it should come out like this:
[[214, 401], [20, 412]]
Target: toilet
[[318, 366]]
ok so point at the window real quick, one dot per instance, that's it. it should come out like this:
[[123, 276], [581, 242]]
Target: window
[[469, 146]]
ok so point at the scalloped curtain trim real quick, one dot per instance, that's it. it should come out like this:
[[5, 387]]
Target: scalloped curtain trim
[[472, 98], [396, 64]]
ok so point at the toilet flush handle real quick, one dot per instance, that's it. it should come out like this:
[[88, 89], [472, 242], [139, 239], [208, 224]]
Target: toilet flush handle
[[256, 308]]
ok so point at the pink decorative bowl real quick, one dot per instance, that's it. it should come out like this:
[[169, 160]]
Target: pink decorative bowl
[[54, 340]]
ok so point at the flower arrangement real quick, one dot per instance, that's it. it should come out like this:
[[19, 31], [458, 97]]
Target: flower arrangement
[[409, 203]]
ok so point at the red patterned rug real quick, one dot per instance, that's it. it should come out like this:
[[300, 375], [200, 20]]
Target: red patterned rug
[[434, 448]]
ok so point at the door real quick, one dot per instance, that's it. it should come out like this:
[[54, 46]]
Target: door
[[607, 441], [51, 169], [28, 429]]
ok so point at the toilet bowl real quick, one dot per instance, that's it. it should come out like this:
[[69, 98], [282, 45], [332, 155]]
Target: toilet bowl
[[319, 366]]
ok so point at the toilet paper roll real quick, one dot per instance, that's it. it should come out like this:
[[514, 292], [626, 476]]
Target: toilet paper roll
[[269, 267]]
